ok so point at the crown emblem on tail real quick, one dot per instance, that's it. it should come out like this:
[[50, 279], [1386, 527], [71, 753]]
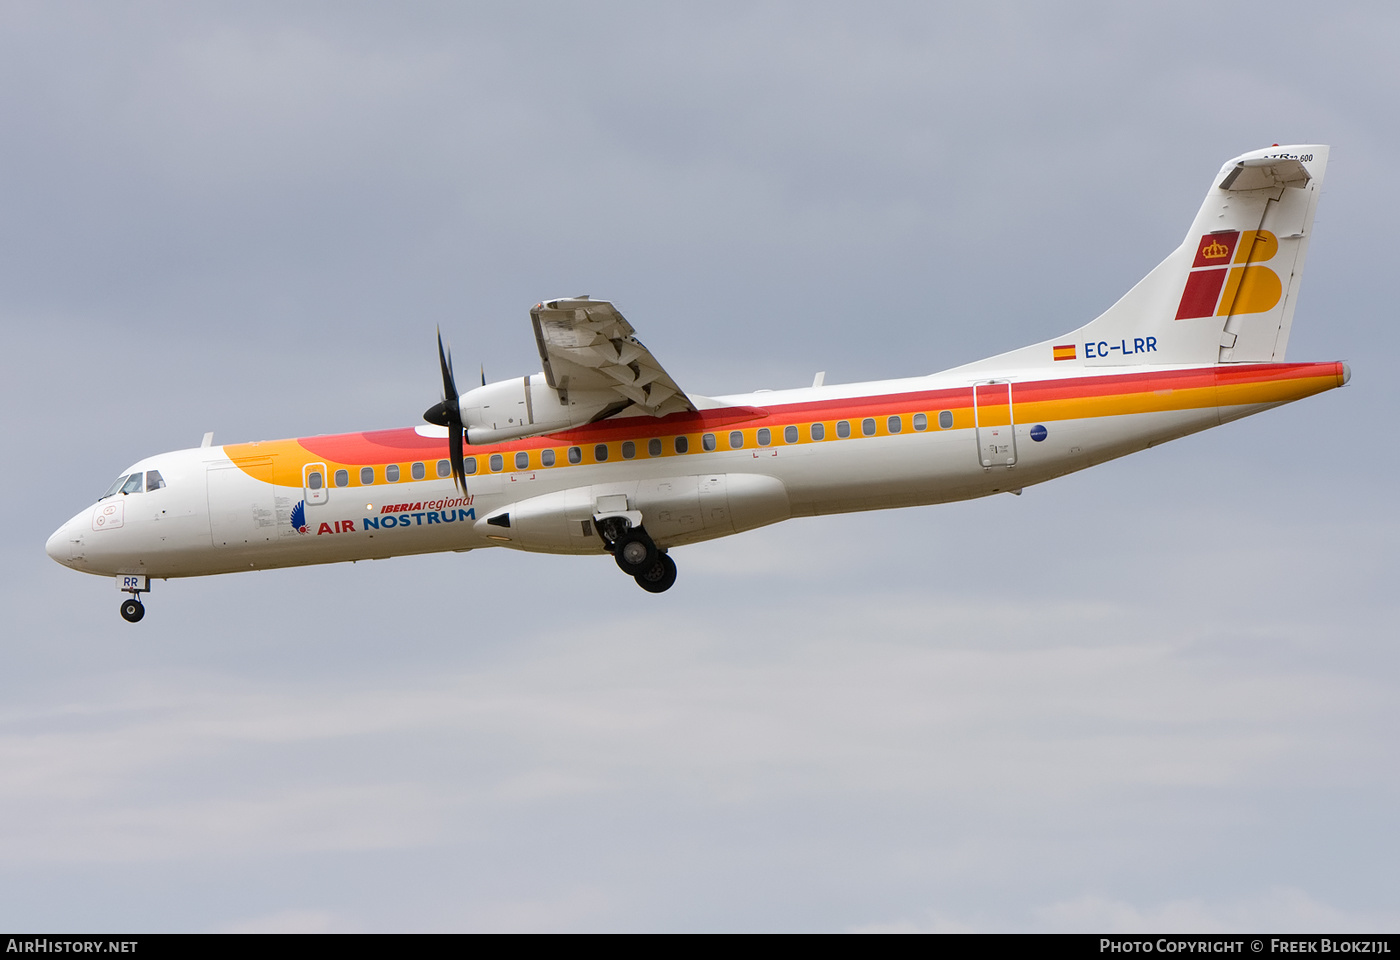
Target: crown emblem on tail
[[1215, 250]]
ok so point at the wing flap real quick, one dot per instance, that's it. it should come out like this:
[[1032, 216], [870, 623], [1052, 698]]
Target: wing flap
[[586, 344]]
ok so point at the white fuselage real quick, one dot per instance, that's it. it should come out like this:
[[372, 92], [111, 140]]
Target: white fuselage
[[230, 508]]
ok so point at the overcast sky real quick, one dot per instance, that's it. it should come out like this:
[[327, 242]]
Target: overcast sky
[[1161, 694]]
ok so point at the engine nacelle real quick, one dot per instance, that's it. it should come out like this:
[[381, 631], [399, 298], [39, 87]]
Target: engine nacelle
[[528, 407]]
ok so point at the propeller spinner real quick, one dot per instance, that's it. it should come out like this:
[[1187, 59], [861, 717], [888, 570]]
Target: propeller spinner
[[448, 413]]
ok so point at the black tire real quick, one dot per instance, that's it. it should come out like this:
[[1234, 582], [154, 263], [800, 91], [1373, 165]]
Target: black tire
[[660, 578], [133, 610], [635, 553]]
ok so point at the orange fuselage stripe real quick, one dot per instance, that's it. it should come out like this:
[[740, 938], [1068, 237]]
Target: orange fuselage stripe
[[1034, 401]]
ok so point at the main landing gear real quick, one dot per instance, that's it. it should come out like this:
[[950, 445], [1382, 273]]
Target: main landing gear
[[659, 577], [637, 555]]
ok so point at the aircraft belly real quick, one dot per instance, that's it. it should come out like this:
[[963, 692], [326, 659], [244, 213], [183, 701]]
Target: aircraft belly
[[885, 472], [881, 472]]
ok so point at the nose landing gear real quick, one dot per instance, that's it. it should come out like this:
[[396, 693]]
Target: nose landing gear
[[133, 609]]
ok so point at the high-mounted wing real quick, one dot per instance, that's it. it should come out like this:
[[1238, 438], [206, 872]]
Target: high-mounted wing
[[587, 345]]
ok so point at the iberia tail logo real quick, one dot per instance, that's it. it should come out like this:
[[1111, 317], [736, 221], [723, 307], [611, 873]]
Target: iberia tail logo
[[299, 516], [1228, 276]]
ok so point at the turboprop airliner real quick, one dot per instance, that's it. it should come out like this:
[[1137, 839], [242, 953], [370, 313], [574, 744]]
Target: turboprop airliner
[[602, 452]]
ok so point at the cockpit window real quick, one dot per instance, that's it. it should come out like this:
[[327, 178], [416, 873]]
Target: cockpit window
[[132, 483]]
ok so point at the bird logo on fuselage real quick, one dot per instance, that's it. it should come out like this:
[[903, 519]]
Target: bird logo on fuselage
[[299, 516]]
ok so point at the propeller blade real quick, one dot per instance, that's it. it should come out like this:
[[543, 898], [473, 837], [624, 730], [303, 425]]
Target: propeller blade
[[448, 413], [454, 450], [449, 382]]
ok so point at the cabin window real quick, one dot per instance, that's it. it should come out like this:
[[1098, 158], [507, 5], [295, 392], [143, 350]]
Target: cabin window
[[818, 431], [790, 434], [547, 458], [629, 449], [654, 447], [366, 475], [153, 480], [682, 444], [867, 427], [764, 437], [522, 460], [575, 455], [313, 480], [920, 421], [600, 452], [895, 424], [498, 463], [945, 419], [708, 441], [342, 477], [736, 439], [444, 468], [843, 429], [391, 473], [417, 471], [468, 465]]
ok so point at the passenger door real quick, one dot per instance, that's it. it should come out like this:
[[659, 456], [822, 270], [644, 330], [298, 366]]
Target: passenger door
[[314, 481], [995, 421]]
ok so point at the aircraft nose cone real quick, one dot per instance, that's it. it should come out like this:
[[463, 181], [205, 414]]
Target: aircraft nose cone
[[57, 545], [61, 546]]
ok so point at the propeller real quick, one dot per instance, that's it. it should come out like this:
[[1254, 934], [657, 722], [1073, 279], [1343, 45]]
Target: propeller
[[449, 414]]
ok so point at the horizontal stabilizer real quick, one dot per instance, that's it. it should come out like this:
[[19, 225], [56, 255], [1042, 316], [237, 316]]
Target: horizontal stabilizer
[[1264, 174]]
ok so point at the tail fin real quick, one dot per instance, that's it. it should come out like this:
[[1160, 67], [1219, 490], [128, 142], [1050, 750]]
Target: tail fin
[[1227, 294]]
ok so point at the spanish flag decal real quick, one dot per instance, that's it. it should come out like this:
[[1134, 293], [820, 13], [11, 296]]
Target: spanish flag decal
[[1065, 352]]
